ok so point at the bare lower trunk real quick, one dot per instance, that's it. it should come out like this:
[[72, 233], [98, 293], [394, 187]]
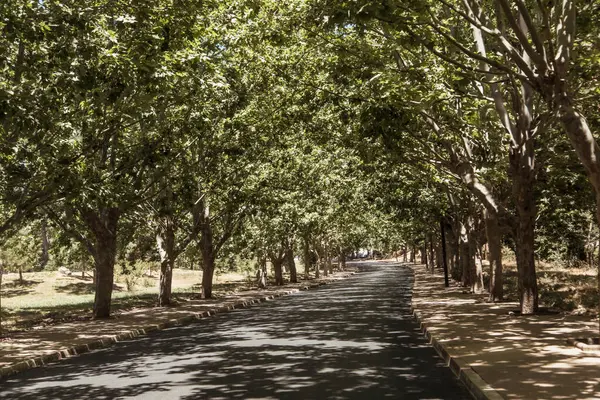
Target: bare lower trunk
[[289, 256], [21, 280], [475, 267], [587, 150], [103, 225], [328, 263], [166, 279], [207, 249], [424, 255], [452, 248], [342, 259], [413, 254], [464, 256], [208, 273], [307, 258], [494, 238], [431, 255], [45, 245], [166, 248], [1, 276], [105, 269], [522, 174], [278, 271], [404, 254]]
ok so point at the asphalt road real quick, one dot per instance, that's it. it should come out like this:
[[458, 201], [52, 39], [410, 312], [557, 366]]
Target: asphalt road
[[354, 339]]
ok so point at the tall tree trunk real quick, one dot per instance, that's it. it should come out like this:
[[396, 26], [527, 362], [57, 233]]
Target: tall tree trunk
[[207, 248], [103, 225], [465, 256], [322, 251], [431, 254], [1, 276], [318, 265], [404, 255], [452, 249], [307, 257], [586, 147], [413, 253], [328, 263], [523, 178], [424, 254], [342, 259], [494, 239], [278, 270], [45, 245], [208, 273], [289, 256], [208, 262], [165, 242], [475, 267]]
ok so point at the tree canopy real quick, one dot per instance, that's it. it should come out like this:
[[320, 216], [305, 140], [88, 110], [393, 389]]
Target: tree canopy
[[274, 128]]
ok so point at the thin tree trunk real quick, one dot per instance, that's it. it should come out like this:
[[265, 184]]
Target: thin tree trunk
[[45, 245], [424, 254], [405, 255], [342, 259], [413, 253], [1, 276], [494, 239], [465, 256], [476, 268], [431, 254], [166, 248], [261, 273], [289, 256], [307, 258], [207, 248], [444, 253]]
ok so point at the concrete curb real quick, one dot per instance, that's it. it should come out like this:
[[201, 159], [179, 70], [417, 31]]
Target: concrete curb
[[479, 389], [96, 344]]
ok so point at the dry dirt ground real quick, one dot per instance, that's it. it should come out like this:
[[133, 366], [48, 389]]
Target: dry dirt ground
[[572, 290]]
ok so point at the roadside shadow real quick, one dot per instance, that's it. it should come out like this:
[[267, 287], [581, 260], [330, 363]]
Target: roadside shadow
[[78, 288], [349, 340], [18, 288]]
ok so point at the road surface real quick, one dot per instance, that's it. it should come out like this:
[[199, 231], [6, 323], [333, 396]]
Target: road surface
[[354, 339]]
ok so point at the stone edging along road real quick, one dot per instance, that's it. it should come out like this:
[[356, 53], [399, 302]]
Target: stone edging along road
[[479, 388], [95, 344]]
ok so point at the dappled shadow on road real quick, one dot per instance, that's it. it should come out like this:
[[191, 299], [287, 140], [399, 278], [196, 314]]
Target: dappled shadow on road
[[520, 356], [351, 340]]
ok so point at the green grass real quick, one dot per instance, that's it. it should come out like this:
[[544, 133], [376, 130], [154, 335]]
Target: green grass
[[47, 297]]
